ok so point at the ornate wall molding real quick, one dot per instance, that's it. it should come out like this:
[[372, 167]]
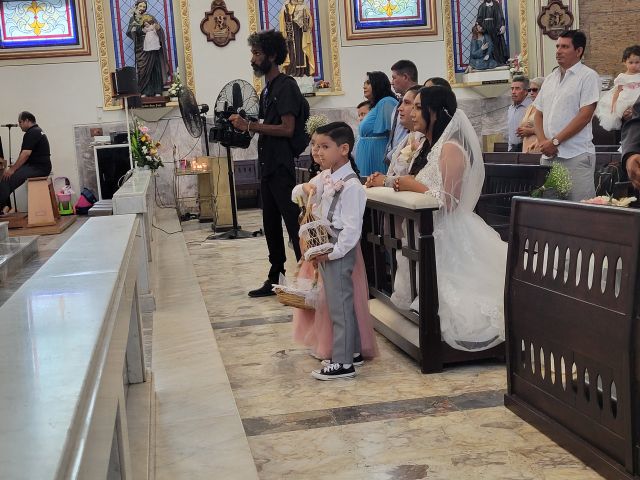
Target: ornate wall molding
[[524, 35], [332, 32], [105, 49]]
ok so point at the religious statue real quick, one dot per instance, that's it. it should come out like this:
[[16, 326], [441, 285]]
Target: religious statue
[[150, 51], [296, 25], [481, 54], [491, 20]]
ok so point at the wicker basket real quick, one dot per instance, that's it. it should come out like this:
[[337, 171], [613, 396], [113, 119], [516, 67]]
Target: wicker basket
[[293, 295], [314, 234]]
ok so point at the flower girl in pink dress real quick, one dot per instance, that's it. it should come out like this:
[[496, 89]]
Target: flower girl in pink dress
[[313, 328]]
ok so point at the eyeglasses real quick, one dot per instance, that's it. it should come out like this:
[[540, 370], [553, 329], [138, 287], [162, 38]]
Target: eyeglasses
[[533, 90]]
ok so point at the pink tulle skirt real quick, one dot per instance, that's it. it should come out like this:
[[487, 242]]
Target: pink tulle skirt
[[313, 328]]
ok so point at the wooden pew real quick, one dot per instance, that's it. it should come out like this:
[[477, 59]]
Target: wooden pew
[[501, 184], [247, 182], [71, 340], [417, 334], [571, 306]]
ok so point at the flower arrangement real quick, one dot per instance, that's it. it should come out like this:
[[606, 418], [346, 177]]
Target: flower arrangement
[[315, 121], [610, 201], [558, 180], [323, 84], [176, 86], [143, 149], [517, 65]]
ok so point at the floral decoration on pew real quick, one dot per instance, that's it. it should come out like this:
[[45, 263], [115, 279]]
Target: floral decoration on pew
[[610, 201], [143, 149], [557, 184]]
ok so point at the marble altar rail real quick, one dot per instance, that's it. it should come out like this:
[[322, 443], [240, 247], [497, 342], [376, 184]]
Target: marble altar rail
[[136, 196], [70, 339]]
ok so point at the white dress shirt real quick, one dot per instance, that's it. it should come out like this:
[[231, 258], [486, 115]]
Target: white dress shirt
[[560, 99], [349, 211]]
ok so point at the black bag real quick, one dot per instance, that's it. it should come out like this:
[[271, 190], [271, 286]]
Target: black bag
[[300, 139], [607, 177]]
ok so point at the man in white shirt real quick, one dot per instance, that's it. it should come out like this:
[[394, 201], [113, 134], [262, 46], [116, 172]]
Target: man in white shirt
[[521, 101], [404, 75], [565, 107]]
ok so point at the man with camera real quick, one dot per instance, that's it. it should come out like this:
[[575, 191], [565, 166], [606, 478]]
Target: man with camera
[[281, 138]]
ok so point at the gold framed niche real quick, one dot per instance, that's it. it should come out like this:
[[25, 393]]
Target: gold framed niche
[[455, 79], [106, 55], [328, 12]]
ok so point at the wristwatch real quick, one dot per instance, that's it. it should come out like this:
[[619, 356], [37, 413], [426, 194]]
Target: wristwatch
[[555, 141]]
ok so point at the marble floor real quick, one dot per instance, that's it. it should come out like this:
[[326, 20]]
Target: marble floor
[[390, 422]]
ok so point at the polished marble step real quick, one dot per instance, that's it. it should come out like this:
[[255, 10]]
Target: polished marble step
[[14, 253]]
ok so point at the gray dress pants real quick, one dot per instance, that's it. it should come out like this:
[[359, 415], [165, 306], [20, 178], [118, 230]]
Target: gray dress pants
[[338, 288], [582, 169]]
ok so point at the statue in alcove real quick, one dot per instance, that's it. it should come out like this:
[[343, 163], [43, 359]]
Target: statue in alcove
[[491, 20], [150, 48], [296, 25]]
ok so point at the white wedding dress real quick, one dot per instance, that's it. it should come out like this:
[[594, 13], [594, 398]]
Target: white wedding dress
[[470, 256]]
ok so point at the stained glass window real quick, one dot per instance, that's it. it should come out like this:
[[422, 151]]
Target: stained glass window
[[38, 23], [463, 18], [161, 10], [269, 19], [387, 13]]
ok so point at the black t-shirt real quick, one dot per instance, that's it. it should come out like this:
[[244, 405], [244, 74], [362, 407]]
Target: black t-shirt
[[35, 140], [280, 97]]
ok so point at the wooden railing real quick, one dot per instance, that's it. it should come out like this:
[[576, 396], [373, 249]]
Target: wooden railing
[[418, 334], [571, 304]]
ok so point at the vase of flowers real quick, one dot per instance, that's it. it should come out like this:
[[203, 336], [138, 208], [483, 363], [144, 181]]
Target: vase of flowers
[[175, 88], [557, 184], [143, 149]]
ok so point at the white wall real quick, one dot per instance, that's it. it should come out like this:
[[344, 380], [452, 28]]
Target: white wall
[[62, 95]]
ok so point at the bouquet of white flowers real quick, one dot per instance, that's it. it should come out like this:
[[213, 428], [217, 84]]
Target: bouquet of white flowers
[[176, 86]]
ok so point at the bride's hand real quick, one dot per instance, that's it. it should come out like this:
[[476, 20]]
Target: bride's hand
[[408, 183]]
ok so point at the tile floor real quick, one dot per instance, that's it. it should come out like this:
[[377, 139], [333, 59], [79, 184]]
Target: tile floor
[[390, 422]]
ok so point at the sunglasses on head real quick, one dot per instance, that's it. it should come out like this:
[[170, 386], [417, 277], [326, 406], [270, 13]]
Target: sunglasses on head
[[533, 89]]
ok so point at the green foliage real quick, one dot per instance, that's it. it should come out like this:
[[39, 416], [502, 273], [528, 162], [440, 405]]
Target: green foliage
[[558, 179]]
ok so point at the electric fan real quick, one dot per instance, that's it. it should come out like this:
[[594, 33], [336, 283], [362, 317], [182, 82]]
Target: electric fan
[[236, 97], [193, 115]]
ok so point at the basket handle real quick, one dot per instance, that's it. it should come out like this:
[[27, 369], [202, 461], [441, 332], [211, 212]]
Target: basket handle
[[307, 210]]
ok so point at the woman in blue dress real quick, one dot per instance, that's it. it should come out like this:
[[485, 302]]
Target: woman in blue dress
[[375, 128]]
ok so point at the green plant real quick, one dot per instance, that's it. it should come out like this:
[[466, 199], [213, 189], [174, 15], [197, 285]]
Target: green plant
[[558, 179], [143, 149]]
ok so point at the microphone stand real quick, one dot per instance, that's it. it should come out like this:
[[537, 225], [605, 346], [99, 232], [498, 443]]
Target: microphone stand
[[9, 126]]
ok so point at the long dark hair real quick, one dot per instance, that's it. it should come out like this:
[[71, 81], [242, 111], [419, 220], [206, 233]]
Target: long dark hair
[[380, 86], [340, 133], [442, 102]]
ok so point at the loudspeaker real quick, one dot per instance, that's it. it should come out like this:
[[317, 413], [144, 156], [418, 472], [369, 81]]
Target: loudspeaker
[[124, 81]]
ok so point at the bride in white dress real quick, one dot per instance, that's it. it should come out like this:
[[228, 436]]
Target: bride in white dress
[[470, 256]]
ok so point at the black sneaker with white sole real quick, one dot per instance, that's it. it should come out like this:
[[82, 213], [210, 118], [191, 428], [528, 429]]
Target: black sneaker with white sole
[[358, 361], [334, 371]]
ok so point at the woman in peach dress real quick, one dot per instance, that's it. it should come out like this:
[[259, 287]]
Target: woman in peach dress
[[526, 130]]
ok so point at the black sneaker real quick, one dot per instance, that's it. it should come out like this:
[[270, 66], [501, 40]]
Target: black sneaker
[[358, 361], [334, 372], [266, 290]]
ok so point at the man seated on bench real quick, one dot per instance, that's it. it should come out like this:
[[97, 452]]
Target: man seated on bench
[[34, 160]]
